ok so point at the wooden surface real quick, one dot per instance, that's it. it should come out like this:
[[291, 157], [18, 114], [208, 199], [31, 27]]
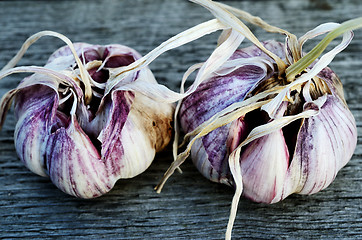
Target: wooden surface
[[190, 207]]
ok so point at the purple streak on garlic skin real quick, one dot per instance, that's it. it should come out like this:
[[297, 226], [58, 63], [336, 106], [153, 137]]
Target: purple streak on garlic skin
[[111, 135], [35, 118], [230, 89]]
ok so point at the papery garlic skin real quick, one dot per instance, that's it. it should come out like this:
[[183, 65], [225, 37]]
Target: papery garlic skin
[[273, 166], [86, 148]]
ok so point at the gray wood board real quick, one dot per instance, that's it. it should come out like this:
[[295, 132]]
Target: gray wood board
[[190, 206]]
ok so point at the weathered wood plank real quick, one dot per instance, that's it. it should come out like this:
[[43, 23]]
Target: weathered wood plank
[[190, 207]]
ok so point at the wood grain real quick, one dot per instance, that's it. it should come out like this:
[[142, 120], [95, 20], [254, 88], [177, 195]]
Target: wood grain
[[190, 207]]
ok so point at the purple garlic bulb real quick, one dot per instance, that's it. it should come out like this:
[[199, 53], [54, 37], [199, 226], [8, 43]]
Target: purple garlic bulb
[[302, 157], [85, 147]]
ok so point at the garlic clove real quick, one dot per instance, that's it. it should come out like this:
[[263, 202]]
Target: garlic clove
[[110, 136], [74, 164], [149, 128], [325, 144], [36, 116], [209, 155], [264, 164]]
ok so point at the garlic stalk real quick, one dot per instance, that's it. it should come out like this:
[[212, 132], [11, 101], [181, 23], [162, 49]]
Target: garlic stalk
[[267, 128]]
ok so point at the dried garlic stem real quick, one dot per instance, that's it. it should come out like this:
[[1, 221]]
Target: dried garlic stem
[[308, 59], [295, 47], [230, 20], [180, 39], [32, 39]]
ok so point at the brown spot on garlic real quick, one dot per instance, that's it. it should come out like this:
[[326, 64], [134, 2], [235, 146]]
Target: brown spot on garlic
[[154, 118]]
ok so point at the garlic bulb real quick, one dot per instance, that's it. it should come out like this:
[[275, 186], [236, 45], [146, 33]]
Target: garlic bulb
[[269, 119], [85, 143], [303, 156]]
